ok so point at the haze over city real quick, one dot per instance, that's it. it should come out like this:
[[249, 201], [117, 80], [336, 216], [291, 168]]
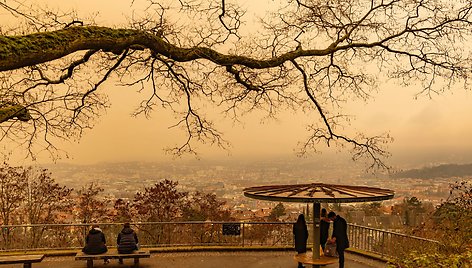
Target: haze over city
[[435, 129]]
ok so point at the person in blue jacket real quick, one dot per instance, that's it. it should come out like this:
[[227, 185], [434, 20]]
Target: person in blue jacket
[[127, 240]]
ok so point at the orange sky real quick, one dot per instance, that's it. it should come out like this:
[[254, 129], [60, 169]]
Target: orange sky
[[440, 125]]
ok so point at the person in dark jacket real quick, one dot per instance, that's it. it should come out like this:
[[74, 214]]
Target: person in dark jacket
[[95, 242], [324, 228], [300, 232], [339, 235], [127, 241]]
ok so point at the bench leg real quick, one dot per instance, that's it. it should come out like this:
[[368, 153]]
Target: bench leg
[[89, 263], [136, 262], [27, 265]]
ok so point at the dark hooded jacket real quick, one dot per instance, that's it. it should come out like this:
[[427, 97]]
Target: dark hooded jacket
[[127, 241], [300, 232], [95, 242]]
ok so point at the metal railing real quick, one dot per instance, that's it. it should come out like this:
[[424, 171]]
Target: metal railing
[[151, 234], [388, 244], [170, 234]]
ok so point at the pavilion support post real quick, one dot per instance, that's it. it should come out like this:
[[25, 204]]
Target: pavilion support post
[[307, 212], [316, 232]]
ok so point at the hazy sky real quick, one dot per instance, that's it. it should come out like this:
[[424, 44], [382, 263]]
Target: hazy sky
[[439, 126]]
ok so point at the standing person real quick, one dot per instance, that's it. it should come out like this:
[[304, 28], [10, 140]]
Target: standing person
[[324, 228], [95, 242], [339, 235], [300, 232], [127, 241]]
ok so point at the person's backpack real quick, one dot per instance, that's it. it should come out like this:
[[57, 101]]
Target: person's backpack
[[330, 250]]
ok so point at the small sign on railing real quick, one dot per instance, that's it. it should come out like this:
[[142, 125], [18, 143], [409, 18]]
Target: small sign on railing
[[231, 229]]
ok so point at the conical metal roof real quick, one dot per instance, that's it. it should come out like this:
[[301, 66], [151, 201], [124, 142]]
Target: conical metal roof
[[318, 193]]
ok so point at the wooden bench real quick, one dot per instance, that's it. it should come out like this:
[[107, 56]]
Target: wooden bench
[[27, 260], [306, 258], [112, 254]]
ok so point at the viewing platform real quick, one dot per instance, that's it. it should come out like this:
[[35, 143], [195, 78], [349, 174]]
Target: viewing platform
[[211, 259], [201, 244]]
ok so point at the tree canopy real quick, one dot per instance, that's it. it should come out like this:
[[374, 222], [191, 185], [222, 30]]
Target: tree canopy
[[192, 57]]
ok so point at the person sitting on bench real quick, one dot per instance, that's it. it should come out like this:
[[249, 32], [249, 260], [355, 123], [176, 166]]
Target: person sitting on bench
[[95, 242], [127, 241]]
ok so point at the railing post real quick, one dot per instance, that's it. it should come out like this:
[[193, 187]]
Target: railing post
[[383, 245], [242, 233], [354, 235], [364, 239]]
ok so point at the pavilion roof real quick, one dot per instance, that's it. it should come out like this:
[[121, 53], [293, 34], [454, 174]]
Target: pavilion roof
[[318, 193]]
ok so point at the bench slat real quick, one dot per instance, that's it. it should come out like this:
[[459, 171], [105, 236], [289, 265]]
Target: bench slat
[[113, 255], [21, 259]]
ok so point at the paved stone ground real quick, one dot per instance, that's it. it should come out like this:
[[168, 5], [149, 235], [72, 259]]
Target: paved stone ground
[[282, 259]]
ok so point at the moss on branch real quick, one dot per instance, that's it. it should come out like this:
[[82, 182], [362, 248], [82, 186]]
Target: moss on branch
[[12, 111], [21, 51]]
